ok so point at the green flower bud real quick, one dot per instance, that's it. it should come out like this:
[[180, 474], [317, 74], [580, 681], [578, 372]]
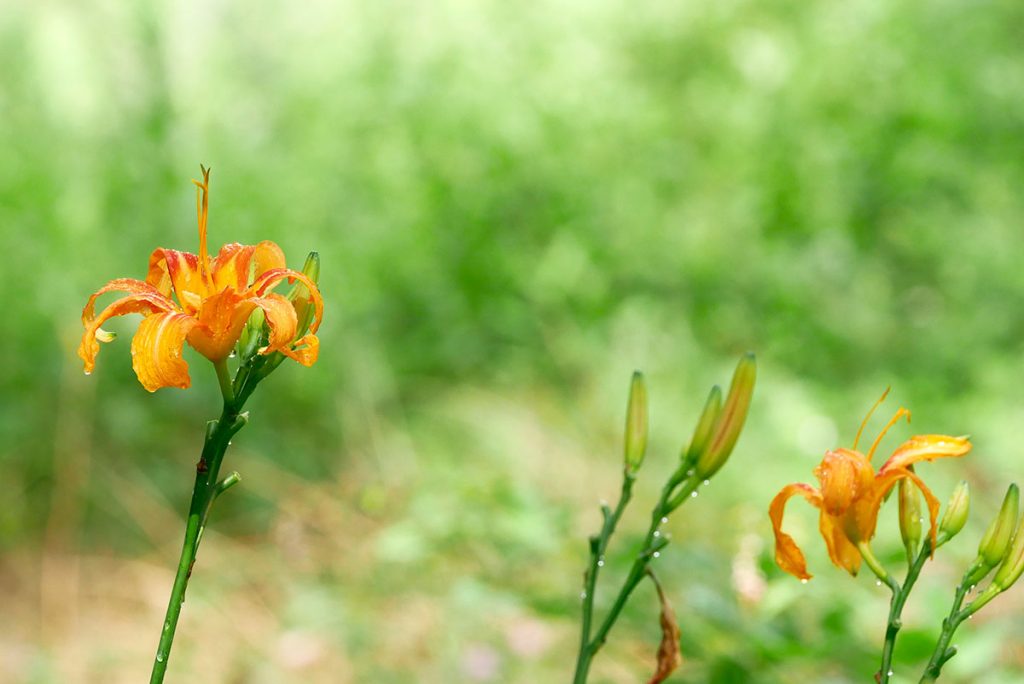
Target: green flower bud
[[705, 428], [300, 295], [955, 517], [996, 542], [730, 419], [636, 424], [910, 516], [1013, 564]]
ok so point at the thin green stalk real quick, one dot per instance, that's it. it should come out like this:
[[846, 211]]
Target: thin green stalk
[[899, 599], [206, 489], [653, 542], [598, 546], [943, 652]]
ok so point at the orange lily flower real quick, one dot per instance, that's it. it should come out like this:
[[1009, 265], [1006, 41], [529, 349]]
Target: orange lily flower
[[851, 493], [215, 298]]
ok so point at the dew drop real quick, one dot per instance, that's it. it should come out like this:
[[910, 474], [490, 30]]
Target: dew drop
[[657, 533], [689, 472], [600, 563], [970, 617], [707, 482], [583, 595], [693, 495], [160, 657], [167, 626], [664, 520], [88, 372], [657, 554], [890, 673], [233, 354], [803, 581], [878, 583]]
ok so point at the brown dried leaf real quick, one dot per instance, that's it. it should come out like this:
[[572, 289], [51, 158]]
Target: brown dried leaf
[[669, 655]]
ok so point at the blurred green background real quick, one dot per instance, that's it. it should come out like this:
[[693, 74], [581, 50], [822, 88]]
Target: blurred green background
[[516, 204]]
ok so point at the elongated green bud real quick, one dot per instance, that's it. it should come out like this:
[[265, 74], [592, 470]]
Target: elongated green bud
[[705, 428], [996, 542], [910, 516], [300, 295], [1013, 564], [955, 517], [636, 424], [730, 419]]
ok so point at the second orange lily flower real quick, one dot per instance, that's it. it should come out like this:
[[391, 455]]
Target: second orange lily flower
[[851, 492], [215, 298]]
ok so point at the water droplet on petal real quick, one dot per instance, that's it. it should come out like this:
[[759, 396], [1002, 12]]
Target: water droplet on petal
[[803, 581], [88, 372]]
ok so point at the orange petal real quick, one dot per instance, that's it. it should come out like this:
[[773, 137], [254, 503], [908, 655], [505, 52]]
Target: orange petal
[[926, 448], [230, 268], [221, 318], [281, 319], [844, 475], [169, 268], [268, 257], [143, 298], [266, 282], [841, 550], [305, 351], [788, 555], [156, 350]]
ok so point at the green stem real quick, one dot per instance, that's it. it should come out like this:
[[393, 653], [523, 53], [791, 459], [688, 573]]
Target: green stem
[[943, 652], [205, 490], [598, 545], [653, 542], [899, 599], [224, 378]]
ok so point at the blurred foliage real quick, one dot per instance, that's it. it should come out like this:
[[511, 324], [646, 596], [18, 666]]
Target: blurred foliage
[[516, 206]]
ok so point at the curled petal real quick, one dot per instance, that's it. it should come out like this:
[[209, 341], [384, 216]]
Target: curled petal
[[268, 280], [170, 269], [156, 350], [143, 298], [281, 319], [305, 351], [926, 448], [841, 550], [788, 555]]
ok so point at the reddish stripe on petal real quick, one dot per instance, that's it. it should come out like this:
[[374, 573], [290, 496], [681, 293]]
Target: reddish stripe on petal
[[268, 257], [156, 350], [267, 281], [170, 269]]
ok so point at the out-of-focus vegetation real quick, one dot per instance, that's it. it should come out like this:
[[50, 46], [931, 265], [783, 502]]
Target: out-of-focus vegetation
[[516, 206]]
